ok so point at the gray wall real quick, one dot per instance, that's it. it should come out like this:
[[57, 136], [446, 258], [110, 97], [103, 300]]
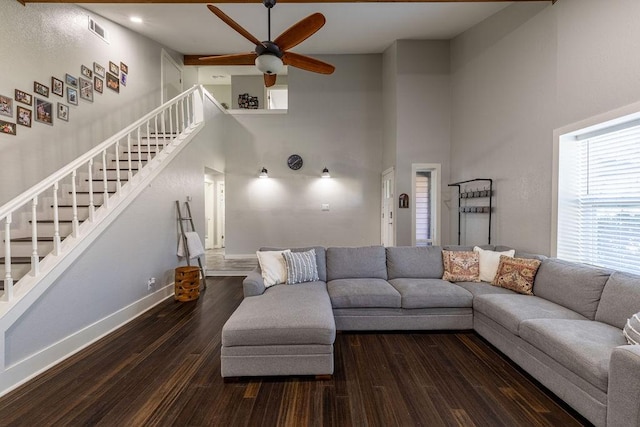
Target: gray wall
[[44, 40], [521, 74], [417, 112], [333, 121]]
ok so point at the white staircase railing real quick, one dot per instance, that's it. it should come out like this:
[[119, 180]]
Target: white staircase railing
[[38, 223]]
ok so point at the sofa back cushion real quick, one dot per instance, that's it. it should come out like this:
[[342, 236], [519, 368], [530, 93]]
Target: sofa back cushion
[[572, 285], [620, 299], [353, 263], [321, 259], [414, 262]]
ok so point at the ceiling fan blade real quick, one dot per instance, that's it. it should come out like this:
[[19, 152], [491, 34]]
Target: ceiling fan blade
[[235, 59], [307, 63], [269, 80], [233, 24], [300, 31]]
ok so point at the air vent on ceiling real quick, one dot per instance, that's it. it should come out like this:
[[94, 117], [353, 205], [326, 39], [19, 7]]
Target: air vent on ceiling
[[98, 30]]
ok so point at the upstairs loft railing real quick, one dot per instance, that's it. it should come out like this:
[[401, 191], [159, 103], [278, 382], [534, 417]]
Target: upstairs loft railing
[[42, 221]]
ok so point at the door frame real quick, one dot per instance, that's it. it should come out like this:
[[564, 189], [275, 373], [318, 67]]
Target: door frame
[[436, 171], [383, 221]]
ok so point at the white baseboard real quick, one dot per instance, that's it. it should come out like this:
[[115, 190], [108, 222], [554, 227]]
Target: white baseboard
[[240, 256], [28, 368]]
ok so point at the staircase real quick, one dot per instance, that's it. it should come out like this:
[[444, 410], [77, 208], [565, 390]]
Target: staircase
[[43, 225]]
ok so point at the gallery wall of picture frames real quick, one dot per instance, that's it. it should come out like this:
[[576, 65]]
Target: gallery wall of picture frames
[[41, 106]]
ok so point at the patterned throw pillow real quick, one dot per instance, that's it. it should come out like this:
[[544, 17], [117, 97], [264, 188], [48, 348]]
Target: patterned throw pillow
[[301, 267], [461, 266], [516, 274], [631, 330]]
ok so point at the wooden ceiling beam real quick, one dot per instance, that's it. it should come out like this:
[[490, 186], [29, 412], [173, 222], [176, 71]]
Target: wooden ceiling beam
[[260, 2]]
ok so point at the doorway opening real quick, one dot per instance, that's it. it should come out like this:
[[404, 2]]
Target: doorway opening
[[387, 231], [425, 223]]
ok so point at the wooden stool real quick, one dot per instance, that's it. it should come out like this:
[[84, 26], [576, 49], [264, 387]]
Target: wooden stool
[[187, 283]]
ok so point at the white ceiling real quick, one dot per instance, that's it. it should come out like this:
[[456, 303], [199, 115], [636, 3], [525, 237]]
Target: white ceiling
[[351, 28]]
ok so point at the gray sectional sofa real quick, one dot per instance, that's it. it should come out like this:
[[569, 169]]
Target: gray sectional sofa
[[568, 335]]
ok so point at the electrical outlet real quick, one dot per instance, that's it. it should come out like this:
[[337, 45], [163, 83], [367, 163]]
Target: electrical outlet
[[151, 283]]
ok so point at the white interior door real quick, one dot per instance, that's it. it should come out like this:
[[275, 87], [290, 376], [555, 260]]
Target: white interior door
[[386, 218], [171, 75], [219, 214], [209, 201]]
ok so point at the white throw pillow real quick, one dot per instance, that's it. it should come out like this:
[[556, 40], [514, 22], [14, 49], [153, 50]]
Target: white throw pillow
[[489, 261], [273, 266]]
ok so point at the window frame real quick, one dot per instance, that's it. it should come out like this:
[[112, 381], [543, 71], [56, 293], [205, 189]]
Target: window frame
[[580, 130]]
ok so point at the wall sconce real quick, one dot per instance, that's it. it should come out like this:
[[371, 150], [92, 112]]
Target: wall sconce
[[325, 173], [264, 173]]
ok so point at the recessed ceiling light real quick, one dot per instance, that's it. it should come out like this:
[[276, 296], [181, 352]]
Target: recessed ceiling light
[[136, 19]]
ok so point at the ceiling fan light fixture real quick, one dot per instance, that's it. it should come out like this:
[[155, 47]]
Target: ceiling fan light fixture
[[325, 173], [269, 64], [264, 173]]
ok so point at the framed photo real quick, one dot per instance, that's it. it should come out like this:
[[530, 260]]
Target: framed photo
[[98, 84], [41, 89], [63, 111], [24, 116], [71, 81], [113, 68], [86, 71], [123, 79], [113, 83], [72, 95], [86, 89], [57, 87], [23, 97], [124, 68], [98, 70], [44, 111], [6, 106], [8, 128]]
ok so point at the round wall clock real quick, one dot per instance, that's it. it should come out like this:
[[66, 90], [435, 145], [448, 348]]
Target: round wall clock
[[294, 161]]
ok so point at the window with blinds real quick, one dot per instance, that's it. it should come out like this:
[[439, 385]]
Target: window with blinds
[[599, 198], [423, 209]]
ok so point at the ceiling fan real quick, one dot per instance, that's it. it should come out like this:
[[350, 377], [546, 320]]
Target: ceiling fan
[[270, 56]]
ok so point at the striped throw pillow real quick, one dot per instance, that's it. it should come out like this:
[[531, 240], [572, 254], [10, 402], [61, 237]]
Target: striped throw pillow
[[301, 267], [631, 330]]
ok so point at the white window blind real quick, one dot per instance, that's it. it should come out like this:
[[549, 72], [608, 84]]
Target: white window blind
[[423, 209], [599, 199]]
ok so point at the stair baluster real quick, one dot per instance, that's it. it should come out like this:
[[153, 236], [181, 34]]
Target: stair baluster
[[35, 259], [8, 279], [56, 221], [74, 203], [91, 205]]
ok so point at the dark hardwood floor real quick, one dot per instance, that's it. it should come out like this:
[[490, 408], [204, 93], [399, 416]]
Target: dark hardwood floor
[[164, 369]]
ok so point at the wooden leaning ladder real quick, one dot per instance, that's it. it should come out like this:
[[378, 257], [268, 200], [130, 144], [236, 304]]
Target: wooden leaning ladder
[[183, 236]]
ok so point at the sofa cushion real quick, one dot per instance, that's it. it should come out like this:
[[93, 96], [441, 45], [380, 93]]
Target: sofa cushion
[[480, 288], [620, 299], [582, 346], [356, 293], [431, 293], [572, 285], [489, 262], [516, 274], [510, 310], [301, 266], [321, 258], [362, 262], [412, 261], [283, 315], [461, 266]]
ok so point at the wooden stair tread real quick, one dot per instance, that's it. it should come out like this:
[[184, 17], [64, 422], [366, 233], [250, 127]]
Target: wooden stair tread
[[95, 192], [122, 169], [40, 239], [61, 221], [108, 180], [95, 205]]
